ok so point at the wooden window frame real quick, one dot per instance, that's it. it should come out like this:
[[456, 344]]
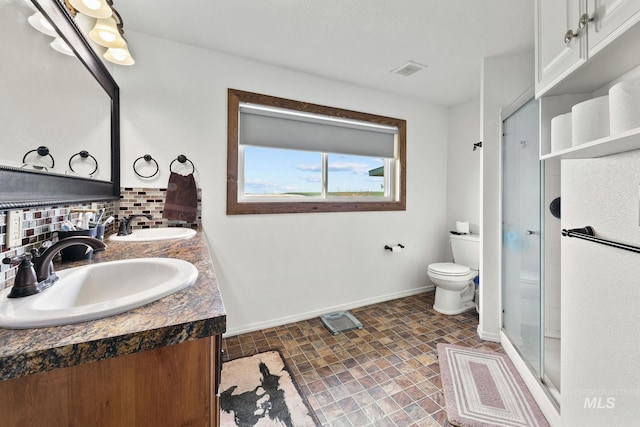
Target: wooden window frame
[[235, 207]]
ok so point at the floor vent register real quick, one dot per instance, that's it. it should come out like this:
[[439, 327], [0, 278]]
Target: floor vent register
[[340, 321]]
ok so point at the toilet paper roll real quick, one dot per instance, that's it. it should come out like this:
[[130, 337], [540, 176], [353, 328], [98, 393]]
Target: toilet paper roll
[[396, 249], [624, 106], [590, 120], [462, 227], [561, 132]]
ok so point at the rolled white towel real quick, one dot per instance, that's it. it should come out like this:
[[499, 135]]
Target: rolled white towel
[[590, 120], [624, 106]]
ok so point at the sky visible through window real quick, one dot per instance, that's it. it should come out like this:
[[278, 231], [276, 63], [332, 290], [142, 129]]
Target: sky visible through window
[[272, 171]]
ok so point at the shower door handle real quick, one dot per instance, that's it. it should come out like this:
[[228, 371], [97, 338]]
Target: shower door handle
[[530, 232]]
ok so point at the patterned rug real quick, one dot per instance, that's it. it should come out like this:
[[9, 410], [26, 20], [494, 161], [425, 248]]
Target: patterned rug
[[259, 391], [483, 388]]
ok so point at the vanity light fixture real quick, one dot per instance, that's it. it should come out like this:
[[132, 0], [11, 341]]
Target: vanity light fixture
[[61, 46], [41, 24], [108, 29], [94, 8]]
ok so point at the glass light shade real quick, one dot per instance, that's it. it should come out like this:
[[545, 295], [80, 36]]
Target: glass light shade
[[106, 33], [41, 24], [62, 47], [94, 8], [119, 55]]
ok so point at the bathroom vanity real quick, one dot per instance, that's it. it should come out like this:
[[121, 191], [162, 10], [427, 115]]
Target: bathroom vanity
[[157, 365]]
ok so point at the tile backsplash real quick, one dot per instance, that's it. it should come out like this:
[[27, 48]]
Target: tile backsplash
[[41, 223], [140, 200]]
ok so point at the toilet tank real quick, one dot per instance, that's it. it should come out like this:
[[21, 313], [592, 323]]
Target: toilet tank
[[466, 250]]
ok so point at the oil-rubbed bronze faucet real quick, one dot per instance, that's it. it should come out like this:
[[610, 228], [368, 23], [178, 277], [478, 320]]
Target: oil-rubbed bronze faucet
[[35, 272], [125, 224]]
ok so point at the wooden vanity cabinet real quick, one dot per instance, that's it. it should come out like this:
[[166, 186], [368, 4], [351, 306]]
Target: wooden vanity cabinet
[[167, 386]]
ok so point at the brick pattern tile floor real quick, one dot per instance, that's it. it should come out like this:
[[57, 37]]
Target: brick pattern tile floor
[[385, 374]]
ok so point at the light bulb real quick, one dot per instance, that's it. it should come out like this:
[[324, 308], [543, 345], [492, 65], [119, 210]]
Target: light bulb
[[92, 4], [93, 8], [107, 36], [120, 56]]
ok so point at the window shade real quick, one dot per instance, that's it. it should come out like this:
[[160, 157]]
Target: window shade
[[294, 130]]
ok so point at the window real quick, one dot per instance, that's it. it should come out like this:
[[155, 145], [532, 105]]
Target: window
[[287, 156]]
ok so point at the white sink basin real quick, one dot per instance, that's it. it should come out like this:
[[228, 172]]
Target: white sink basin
[[162, 233], [95, 291]]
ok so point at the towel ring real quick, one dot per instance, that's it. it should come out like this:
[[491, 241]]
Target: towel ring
[[84, 154], [147, 158], [182, 159], [42, 152]]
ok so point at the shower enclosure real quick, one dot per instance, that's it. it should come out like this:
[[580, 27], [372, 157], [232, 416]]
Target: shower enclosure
[[522, 180], [530, 248]]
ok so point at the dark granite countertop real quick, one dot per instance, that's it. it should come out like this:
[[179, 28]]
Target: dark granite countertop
[[193, 313]]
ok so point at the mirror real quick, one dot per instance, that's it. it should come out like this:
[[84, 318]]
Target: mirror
[[59, 114]]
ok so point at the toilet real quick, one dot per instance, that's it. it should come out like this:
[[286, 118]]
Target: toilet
[[454, 280]]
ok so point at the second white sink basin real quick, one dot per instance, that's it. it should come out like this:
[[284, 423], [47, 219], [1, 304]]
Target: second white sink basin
[[150, 234], [95, 291]]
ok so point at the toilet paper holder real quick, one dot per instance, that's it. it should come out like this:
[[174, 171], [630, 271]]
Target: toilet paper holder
[[398, 246]]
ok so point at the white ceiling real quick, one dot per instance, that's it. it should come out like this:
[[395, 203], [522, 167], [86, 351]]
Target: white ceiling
[[354, 41]]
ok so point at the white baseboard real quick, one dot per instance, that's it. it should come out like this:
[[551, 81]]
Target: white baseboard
[[543, 400], [488, 336], [315, 313]]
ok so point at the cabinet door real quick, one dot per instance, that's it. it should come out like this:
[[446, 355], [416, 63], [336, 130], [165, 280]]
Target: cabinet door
[[167, 386], [555, 59], [610, 19]]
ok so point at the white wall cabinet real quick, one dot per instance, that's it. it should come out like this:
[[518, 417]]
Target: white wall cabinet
[[555, 58], [569, 34], [610, 18]]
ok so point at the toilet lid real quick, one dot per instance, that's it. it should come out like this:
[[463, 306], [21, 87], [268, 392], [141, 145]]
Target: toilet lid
[[449, 269]]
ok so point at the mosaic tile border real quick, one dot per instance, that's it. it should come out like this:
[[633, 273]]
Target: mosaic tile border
[[41, 223]]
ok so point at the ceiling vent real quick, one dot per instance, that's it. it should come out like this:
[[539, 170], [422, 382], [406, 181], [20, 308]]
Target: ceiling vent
[[409, 69]]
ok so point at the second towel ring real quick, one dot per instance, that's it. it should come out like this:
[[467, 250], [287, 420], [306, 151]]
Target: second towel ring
[[182, 159], [147, 158], [84, 154]]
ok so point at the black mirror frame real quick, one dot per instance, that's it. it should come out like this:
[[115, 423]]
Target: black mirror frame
[[29, 188]]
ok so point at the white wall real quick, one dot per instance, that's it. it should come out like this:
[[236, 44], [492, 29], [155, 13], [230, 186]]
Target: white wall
[[463, 166], [504, 80], [600, 288], [274, 269]]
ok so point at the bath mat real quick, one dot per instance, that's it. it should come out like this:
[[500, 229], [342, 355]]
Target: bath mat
[[259, 391], [483, 388]]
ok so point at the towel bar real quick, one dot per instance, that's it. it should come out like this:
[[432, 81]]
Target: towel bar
[[587, 233]]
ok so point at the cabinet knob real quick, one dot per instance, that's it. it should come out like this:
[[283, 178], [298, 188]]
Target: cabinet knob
[[570, 35], [584, 20]]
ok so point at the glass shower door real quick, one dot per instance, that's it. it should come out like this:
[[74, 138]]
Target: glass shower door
[[521, 225]]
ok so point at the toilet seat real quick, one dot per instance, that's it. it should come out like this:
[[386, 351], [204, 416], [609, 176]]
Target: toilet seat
[[449, 269]]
